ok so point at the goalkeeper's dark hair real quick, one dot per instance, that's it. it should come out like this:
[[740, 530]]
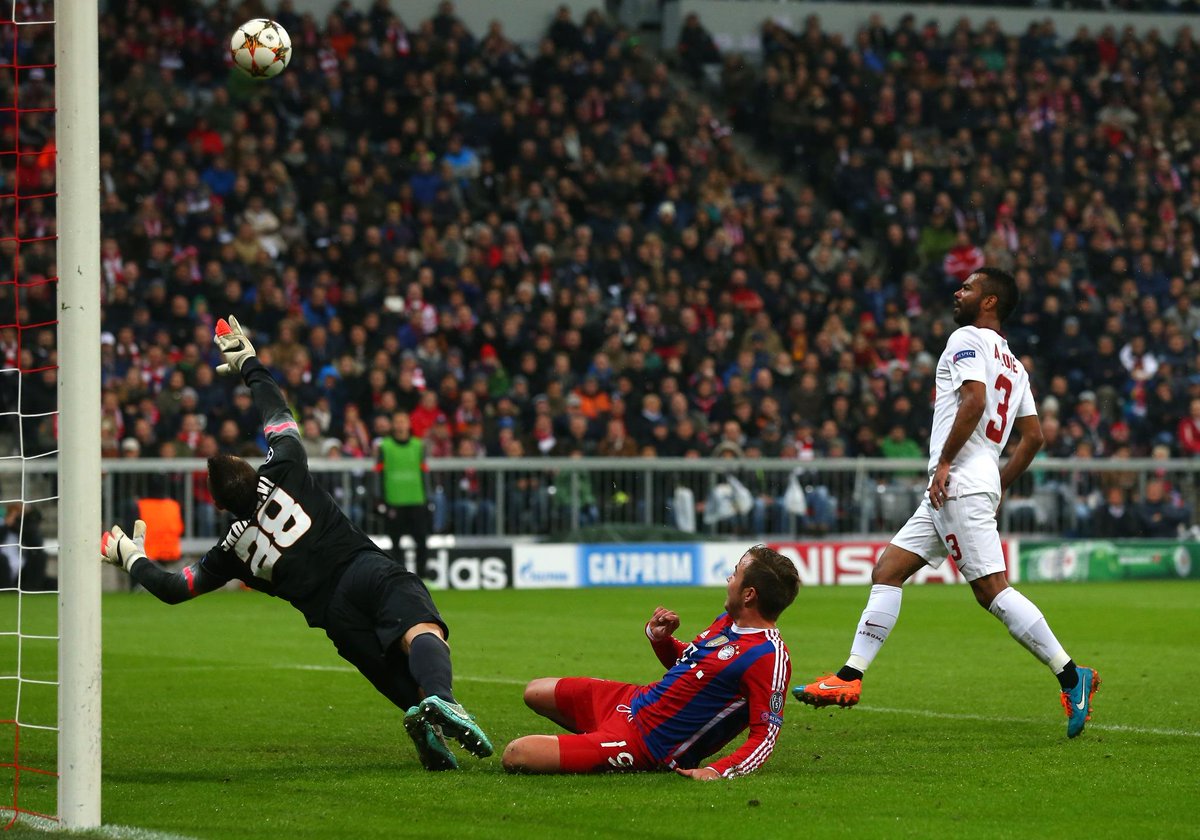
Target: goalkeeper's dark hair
[[1003, 285], [774, 578], [233, 484]]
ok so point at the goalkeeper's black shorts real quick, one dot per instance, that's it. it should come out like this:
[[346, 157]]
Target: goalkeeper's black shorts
[[374, 603]]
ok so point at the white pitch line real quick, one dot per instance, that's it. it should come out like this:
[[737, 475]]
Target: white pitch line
[[926, 713], [343, 669], [116, 832], [1106, 727]]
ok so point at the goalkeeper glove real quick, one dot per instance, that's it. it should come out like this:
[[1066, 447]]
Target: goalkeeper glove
[[234, 346], [120, 549]]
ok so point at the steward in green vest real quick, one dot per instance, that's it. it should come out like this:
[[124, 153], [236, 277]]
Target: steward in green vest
[[402, 465]]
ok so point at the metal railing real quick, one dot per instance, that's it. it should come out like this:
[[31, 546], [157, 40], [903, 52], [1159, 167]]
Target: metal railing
[[642, 497]]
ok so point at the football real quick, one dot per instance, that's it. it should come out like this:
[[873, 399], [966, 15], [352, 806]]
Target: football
[[261, 48]]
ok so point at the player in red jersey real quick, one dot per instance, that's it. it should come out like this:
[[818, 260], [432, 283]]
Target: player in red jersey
[[732, 676]]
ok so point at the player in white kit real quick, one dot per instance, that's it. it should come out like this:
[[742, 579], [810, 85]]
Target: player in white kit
[[982, 395]]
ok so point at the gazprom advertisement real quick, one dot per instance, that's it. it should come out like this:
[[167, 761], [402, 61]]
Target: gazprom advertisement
[[607, 564], [647, 564], [824, 563]]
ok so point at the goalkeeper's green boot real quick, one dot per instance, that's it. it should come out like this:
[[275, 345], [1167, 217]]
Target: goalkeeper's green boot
[[456, 723], [427, 738]]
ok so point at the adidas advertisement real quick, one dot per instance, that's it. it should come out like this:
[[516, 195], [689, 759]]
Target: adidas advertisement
[[470, 568]]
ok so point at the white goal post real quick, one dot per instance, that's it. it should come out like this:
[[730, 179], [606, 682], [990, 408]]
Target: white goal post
[[79, 527]]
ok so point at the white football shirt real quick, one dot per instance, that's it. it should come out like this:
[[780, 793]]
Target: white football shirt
[[980, 355]]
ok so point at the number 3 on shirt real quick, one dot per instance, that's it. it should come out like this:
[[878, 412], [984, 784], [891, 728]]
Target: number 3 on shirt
[[995, 427]]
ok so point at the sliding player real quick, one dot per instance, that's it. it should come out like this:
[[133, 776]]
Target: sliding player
[[732, 676]]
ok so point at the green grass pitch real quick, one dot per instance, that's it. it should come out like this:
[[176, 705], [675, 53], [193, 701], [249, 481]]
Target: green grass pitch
[[228, 718]]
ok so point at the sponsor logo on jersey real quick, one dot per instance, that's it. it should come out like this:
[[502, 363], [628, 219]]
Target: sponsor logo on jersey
[[716, 641], [964, 354], [776, 702], [727, 652]]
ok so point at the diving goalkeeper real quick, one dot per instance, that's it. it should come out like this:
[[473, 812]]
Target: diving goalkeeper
[[292, 541]]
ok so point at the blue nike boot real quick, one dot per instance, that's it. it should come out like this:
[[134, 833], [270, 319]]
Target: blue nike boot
[[1077, 702]]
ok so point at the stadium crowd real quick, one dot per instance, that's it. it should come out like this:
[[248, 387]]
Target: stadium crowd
[[550, 253]]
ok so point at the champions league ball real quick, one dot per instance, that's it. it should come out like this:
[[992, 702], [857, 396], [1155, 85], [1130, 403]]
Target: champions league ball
[[261, 48]]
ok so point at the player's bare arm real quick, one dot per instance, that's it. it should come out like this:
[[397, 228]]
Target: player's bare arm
[[1030, 430], [972, 400]]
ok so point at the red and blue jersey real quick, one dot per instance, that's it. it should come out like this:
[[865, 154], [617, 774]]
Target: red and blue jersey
[[729, 678]]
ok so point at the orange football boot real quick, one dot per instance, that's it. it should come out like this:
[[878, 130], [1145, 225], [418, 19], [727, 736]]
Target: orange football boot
[[829, 691]]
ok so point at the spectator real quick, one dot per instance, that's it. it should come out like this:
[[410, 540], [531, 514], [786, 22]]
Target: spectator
[[1189, 431], [473, 511], [898, 444], [1157, 516], [21, 547], [573, 498], [1116, 518], [602, 215], [962, 260], [696, 47]]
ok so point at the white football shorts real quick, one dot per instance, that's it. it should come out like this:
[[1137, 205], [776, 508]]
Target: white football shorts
[[965, 529]]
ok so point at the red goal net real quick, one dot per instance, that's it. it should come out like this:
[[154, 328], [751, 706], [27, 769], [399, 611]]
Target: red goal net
[[28, 412]]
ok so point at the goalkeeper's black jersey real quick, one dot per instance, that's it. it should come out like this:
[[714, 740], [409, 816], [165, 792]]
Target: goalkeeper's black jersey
[[298, 541]]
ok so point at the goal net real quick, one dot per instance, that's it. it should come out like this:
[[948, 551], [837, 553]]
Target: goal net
[[49, 579]]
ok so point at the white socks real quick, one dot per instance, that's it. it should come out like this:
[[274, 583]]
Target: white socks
[[877, 621], [1022, 618], [1027, 625]]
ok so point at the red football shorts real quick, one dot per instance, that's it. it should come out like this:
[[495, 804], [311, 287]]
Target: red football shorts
[[607, 740]]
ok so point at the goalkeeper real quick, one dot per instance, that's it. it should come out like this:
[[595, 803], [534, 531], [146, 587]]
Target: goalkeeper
[[291, 540]]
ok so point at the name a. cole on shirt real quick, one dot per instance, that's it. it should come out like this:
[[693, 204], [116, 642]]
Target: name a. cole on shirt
[[1007, 361]]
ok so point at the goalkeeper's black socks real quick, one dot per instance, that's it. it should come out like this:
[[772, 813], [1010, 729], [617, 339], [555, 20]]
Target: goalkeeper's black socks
[[429, 663], [849, 674], [1068, 677]]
